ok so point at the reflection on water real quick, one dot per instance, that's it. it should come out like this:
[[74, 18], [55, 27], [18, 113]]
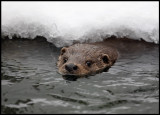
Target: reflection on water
[[30, 82]]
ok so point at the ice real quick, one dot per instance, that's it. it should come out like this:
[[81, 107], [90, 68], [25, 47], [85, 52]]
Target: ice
[[63, 22]]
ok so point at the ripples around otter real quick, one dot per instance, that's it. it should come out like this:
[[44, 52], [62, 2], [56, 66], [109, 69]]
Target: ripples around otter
[[30, 82]]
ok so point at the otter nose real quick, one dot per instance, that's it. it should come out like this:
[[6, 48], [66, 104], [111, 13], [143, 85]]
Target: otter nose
[[71, 67]]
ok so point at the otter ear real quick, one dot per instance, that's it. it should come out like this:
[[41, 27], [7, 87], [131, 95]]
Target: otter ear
[[105, 59], [63, 50]]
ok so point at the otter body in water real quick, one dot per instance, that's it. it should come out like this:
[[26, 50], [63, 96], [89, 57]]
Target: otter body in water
[[91, 58], [86, 59]]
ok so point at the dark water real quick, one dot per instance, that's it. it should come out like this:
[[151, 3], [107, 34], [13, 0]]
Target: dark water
[[30, 82]]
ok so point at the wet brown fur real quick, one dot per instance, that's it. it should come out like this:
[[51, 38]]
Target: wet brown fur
[[79, 54]]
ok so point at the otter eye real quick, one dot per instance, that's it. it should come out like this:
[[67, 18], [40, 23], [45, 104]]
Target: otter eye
[[88, 63], [65, 60]]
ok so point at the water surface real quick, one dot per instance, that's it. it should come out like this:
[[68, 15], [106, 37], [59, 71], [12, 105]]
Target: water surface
[[30, 82]]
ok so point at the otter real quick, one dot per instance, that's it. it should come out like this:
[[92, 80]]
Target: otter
[[84, 59]]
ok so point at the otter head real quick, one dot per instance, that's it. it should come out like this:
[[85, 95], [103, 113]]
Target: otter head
[[83, 59]]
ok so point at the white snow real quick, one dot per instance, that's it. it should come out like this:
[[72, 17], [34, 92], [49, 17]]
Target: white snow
[[61, 22]]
